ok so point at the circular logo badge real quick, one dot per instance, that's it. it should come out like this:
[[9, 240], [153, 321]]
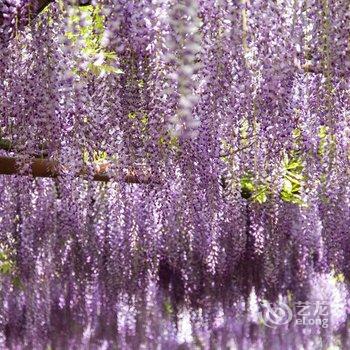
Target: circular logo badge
[[274, 315]]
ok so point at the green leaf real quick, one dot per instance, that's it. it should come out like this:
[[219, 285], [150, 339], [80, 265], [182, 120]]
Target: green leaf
[[3, 256], [323, 131], [261, 198], [247, 186], [294, 165], [339, 278], [293, 178], [296, 133], [99, 156], [168, 308], [6, 267], [17, 282], [110, 69], [287, 186]]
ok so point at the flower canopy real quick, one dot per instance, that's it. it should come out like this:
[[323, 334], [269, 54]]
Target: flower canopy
[[167, 165]]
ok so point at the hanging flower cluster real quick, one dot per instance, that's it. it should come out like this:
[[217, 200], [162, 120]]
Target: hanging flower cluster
[[231, 117]]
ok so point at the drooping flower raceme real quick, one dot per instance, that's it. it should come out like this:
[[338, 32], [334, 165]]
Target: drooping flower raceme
[[232, 118]]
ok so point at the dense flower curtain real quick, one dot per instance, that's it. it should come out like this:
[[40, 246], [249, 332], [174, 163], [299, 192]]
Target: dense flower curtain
[[232, 117]]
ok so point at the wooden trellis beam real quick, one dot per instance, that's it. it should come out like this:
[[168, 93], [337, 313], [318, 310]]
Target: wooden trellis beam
[[51, 169]]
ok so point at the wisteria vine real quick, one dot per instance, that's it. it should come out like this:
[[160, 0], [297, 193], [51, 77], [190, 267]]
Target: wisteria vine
[[232, 116]]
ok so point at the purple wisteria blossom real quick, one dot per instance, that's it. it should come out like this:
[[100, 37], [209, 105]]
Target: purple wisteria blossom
[[234, 119]]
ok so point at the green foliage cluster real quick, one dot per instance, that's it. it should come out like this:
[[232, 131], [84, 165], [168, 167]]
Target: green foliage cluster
[[8, 267], [293, 179], [90, 32], [6, 264], [259, 192]]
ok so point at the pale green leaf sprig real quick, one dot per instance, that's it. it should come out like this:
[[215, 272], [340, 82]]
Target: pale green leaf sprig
[[7, 265], [292, 180]]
